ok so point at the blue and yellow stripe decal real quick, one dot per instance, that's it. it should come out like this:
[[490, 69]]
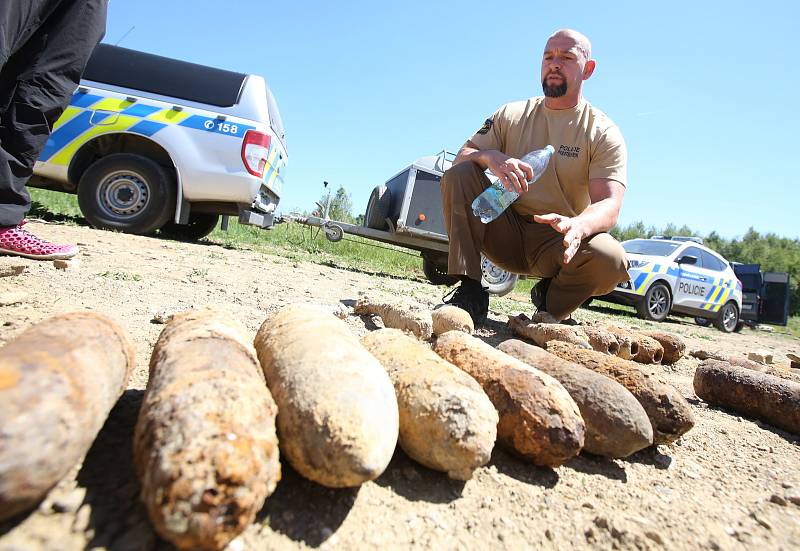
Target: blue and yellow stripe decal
[[647, 273], [91, 115], [719, 293], [720, 288], [275, 163]]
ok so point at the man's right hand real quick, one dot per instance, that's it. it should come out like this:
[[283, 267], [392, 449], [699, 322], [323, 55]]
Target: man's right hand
[[513, 173]]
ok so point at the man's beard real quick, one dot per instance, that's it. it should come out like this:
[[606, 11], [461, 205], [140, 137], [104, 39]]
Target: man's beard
[[554, 91]]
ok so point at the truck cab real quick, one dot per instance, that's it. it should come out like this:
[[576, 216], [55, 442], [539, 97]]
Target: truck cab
[[151, 143]]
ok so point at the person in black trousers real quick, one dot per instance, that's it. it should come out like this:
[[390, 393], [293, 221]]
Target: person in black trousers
[[44, 48]]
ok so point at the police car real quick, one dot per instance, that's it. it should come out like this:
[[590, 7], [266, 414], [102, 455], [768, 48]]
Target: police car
[[680, 275], [151, 143]]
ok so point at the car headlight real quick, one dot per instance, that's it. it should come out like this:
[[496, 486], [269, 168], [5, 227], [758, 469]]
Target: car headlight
[[637, 263]]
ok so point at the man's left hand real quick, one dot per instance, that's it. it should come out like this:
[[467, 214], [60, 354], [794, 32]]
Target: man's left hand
[[572, 228]]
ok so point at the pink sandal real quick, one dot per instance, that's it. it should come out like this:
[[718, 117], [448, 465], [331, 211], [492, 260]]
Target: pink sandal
[[18, 242]]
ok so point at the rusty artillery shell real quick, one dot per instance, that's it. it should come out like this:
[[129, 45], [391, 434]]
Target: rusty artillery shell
[[451, 318], [538, 418], [602, 340], [763, 368], [205, 448], [338, 421], [628, 347], [673, 346], [669, 412], [447, 422], [542, 333], [750, 393], [649, 350], [616, 424], [747, 364], [58, 382], [407, 317]]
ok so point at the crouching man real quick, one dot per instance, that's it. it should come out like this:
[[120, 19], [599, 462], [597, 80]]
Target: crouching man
[[556, 230]]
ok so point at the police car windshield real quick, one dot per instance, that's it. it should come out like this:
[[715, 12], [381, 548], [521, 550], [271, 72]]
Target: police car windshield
[[650, 247]]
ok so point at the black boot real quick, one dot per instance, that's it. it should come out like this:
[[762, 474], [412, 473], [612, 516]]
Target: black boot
[[472, 297], [539, 294]]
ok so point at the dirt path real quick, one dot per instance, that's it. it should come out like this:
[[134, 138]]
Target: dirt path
[[730, 483]]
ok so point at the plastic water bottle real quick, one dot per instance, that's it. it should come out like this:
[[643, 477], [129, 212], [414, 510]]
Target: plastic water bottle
[[496, 198]]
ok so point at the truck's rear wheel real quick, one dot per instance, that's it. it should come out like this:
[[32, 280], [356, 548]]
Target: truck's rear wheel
[[200, 225], [498, 281], [127, 192]]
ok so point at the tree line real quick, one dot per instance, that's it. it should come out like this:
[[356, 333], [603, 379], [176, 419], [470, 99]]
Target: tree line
[[773, 253]]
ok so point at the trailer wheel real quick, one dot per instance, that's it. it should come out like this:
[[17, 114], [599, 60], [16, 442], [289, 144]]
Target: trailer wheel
[[127, 192], [333, 233], [436, 271], [378, 208], [498, 281]]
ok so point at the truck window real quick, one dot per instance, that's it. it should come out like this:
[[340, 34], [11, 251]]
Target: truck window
[[711, 262], [650, 247], [694, 251], [164, 76], [275, 120]]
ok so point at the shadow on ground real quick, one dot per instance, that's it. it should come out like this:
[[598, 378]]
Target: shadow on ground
[[599, 466], [522, 470], [417, 483], [118, 519], [305, 511], [41, 212]]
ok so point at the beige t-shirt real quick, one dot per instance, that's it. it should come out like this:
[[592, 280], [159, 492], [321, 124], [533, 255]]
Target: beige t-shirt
[[587, 145]]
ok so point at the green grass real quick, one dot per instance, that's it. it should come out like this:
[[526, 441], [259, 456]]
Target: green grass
[[55, 206], [302, 243], [121, 276], [296, 242], [792, 327]]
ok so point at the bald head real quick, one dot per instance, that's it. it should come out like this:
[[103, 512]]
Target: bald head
[[566, 63], [581, 41]]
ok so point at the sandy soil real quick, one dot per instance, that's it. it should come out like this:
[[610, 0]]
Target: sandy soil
[[730, 483]]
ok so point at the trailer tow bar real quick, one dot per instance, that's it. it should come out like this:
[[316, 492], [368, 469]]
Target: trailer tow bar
[[333, 232]]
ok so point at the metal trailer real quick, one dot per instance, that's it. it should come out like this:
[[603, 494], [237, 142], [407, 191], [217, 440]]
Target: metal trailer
[[407, 211]]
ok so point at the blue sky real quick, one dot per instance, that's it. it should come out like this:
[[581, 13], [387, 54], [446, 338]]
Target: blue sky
[[706, 93]]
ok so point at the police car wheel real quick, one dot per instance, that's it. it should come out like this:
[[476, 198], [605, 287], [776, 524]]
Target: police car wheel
[[200, 225], [128, 193], [702, 322], [656, 303], [728, 318]]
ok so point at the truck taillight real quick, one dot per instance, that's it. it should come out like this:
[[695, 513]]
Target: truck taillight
[[255, 149]]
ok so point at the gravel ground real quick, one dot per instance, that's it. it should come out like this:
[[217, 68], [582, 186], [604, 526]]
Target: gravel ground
[[730, 483]]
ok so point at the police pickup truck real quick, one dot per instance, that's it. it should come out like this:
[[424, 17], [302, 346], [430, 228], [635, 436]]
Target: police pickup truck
[[151, 143], [680, 275]]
